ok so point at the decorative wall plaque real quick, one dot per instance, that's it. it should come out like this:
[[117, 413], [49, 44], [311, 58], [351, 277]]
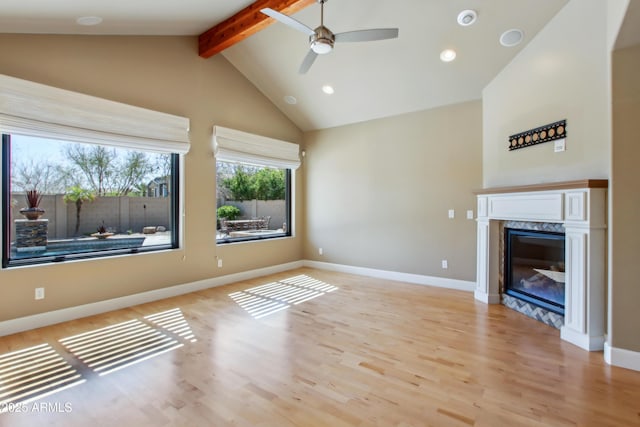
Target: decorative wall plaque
[[539, 135]]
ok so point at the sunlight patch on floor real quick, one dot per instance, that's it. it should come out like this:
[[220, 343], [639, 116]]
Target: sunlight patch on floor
[[33, 373], [264, 300], [174, 322], [112, 348]]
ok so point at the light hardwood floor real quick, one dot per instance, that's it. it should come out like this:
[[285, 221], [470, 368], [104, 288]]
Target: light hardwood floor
[[365, 352]]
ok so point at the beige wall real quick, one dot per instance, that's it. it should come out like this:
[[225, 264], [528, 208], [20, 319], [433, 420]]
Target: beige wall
[[561, 74], [625, 202], [377, 193], [164, 74]]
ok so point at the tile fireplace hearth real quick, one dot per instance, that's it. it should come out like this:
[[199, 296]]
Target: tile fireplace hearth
[[580, 208]]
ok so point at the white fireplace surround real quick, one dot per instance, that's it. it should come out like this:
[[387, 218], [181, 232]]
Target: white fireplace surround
[[581, 207]]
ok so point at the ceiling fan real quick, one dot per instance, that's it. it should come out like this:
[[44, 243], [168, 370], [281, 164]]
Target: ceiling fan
[[321, 39]]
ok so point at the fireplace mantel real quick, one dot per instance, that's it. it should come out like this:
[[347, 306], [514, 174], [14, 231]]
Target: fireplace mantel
[[581, 207], [564, 185]]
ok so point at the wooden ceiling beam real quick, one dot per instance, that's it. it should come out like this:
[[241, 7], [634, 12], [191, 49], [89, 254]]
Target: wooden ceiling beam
[[243, 24]]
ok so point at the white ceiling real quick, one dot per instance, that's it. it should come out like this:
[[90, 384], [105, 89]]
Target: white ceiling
[[371, 80]]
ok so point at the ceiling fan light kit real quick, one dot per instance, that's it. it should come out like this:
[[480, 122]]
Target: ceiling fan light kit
[[321, 42], [322, 39]]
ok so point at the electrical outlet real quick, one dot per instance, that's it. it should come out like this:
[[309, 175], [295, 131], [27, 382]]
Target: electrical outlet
[[219, 262], [39, 293], [452, 213], [445, 264], [320, 251], [469, 214]]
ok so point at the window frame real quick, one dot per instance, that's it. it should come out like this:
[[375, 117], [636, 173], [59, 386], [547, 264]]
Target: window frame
[[7, 262], [288, 197], [235, 146]]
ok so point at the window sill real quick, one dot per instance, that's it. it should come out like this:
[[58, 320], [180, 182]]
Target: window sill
[[65, 259], [248, 239]]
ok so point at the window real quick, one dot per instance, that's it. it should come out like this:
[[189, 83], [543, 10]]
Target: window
[[253, 185], [94, 200], [103, 177], [254, 202]]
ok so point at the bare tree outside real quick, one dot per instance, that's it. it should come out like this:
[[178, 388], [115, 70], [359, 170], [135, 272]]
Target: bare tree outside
[[108, 173], [43, 176], [105, 171], [94, 162]]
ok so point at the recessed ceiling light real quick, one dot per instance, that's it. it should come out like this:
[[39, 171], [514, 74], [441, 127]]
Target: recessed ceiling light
[[291, 100], [511, 37], [467, 17], [328, 89], [89, 20], [447, 55]]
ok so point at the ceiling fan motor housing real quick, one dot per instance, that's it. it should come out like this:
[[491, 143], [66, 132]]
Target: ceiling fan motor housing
[[322, 41]]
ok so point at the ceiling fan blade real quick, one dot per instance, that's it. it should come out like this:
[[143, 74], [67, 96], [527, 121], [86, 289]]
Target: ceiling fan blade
[[367, 35], [307, 62], [287, 20]]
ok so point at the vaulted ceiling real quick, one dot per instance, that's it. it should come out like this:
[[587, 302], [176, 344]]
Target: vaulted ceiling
[[371, 80]]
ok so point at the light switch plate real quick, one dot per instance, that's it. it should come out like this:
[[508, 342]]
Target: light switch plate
[[559, 145], [452, 213]]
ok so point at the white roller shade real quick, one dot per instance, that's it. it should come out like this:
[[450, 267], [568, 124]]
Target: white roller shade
[[33, 109], [232, 145]]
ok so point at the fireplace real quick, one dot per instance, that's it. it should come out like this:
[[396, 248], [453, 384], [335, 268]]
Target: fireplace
[[534, 269], [577, 208]]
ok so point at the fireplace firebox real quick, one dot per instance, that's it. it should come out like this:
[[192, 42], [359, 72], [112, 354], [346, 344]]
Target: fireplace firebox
[[534, 269]]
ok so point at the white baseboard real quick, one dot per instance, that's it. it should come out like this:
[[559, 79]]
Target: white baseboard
[[26, 323], [487, 298], [417, 279], [584, 341], [620, 357]]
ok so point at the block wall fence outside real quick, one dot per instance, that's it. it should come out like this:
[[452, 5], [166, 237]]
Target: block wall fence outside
[[260, 208], [119, 214]]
